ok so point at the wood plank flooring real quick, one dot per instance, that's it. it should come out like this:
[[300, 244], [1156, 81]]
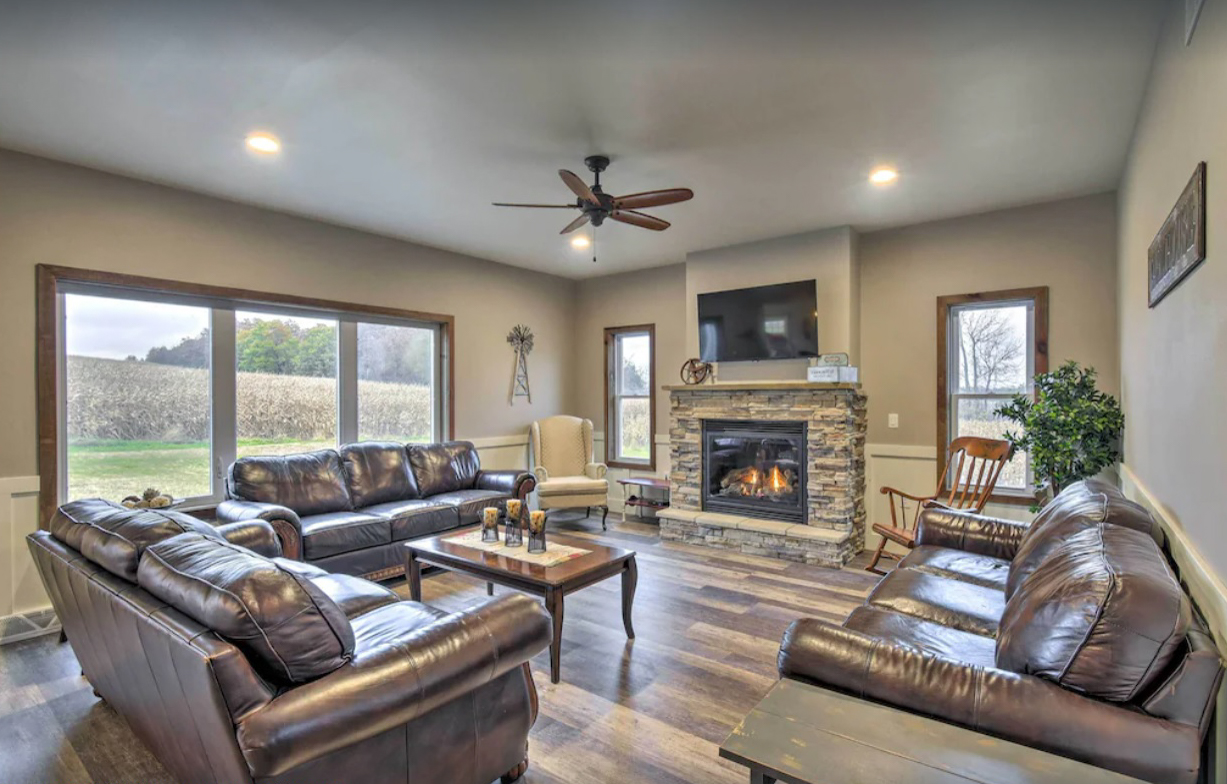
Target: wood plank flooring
[[708, 626]]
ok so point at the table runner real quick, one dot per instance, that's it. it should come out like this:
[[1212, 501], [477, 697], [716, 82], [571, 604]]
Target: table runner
[[554, 553]]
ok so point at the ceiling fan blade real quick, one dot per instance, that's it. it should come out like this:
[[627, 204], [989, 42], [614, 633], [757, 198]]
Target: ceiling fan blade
[[548, 206], [639, 219], [636, 201], [577, 186], [575, 224]]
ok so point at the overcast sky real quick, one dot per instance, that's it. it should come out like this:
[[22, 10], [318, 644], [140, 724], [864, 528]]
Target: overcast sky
[[119, 328]]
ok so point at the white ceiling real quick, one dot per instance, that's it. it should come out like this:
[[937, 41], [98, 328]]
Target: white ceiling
[[409, 118]]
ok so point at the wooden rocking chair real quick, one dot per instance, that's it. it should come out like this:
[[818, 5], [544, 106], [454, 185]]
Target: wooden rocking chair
[[976, 463]]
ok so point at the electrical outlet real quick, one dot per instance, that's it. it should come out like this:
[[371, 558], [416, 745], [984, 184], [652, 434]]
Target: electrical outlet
[[892, 420]]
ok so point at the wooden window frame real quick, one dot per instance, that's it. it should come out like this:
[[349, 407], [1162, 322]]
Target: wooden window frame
[[611, 335], [1039, 295], [49, 371]]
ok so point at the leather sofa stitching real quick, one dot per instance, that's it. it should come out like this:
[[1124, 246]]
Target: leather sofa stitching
[[1086, 638], [873, 649]]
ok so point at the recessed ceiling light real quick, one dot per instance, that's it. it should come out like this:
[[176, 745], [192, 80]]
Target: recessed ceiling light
[[263, 143], [883, 175], [580, 242]]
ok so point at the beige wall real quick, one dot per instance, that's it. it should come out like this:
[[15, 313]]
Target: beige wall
[[653, 296], [1173, 374], [827, 256], [59, 214], [1069, 246]]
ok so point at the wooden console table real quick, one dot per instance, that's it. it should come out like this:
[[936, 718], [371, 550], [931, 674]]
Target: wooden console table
[[803, 734], [646, 482]]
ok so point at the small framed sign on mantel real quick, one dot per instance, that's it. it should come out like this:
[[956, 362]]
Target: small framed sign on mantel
[[1180, 244]]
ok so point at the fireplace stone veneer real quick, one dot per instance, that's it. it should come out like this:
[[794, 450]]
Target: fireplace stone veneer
[[834, 417]]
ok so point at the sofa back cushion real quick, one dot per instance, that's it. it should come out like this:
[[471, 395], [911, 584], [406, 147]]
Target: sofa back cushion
[[309, 483], [1080, 506], [289, 628], [1102, 615], [114, 537], [378, 472], [444, 468]]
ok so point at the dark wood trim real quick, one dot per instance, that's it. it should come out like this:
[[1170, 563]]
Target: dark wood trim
[[1039, 294], [48, 278], [610, 334]]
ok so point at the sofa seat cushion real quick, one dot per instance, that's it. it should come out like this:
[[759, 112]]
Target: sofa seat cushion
[[572, 485], [1103, 615], [378, 472], [353, 595], [469, 503], [933, 638], [958, 565], [444, 468], [341, 532], [413, 518], [959, 605], [310, 483], [287, 626], [115, 537]]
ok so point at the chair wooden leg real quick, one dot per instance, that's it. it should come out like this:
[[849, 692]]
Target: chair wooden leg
[[604, 514], [515, 774], [877, 556], [588, 511]]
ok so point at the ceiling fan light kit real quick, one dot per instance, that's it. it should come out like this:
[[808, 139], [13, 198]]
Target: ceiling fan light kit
[[595, 205]]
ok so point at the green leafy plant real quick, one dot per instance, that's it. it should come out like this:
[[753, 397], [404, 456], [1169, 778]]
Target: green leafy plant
[[1071, 431]]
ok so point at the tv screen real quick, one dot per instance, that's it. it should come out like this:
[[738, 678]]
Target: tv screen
[[765, 322]]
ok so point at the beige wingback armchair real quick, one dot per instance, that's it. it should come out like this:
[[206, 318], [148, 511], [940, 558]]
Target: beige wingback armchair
[[567, 477]]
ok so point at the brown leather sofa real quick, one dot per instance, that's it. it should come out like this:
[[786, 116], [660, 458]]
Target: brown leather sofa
[[349, 510], [237, 666], [1070, 635]]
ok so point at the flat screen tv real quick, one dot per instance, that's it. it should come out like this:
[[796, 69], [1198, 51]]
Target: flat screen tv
[[764, 322]]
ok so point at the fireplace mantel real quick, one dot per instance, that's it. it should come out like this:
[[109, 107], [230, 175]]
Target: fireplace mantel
[[834, 414]]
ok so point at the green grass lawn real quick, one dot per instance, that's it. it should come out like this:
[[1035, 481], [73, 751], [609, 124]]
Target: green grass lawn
[[115, 469]]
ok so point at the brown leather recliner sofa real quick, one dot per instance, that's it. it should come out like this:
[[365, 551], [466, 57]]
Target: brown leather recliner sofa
[[1070, 635], [237, 666], [350, 510]]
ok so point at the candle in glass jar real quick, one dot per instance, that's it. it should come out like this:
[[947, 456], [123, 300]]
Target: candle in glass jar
[[536, 521], [514, 506], [489, 517]]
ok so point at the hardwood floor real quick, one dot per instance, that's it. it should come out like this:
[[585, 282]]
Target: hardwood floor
[[707, 624]]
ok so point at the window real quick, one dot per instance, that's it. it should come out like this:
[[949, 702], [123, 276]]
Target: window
[[630, 382], [397, 383], [162, 384], [991, 348]]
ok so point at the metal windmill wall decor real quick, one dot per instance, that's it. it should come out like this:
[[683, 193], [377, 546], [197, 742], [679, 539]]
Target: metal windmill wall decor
[[521, 339]]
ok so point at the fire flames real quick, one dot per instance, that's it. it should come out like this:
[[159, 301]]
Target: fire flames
[[750, 482]]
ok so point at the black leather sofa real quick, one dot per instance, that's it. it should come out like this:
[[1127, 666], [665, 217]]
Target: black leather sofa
[[1071, 634], [349, 510], [237, 666]]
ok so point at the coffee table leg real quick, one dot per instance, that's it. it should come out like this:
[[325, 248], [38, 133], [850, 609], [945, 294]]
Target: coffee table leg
[[414, 574], [553, 604], [630, 578], [758, 777], [489, 589]]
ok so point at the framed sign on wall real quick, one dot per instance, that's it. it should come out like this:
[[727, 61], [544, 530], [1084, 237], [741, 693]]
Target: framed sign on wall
[[1180, 244]]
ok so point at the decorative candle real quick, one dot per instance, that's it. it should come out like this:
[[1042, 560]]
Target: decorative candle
[[515, 508], [489, 524], [536, 521]]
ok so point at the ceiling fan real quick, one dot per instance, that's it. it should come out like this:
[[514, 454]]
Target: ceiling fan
[[596, 205]]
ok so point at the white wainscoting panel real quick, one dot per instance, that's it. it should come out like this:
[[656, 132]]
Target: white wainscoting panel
[[501, 453], [21, 591]]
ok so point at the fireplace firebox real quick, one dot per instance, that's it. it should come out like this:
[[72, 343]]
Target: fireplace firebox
[[755, 468]]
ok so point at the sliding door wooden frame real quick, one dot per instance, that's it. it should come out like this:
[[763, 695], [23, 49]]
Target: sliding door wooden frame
[[48, 280], [611, 430]]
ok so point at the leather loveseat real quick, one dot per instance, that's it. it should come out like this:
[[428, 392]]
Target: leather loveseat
[[1070, 635], [350, 510], [236, 666]]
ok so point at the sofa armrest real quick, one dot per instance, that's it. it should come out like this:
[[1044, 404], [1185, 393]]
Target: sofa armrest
[[1019, 708], [517, 484], [283, 520], [394, 683], [256, 535], [595, 470], [969, 532]]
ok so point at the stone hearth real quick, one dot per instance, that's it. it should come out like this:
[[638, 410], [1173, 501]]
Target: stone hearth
[[834, 531]]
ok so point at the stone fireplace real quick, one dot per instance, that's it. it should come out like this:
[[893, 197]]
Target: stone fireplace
[[768, 468]]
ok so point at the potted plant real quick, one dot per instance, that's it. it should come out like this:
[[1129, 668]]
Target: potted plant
[[1070, 431]]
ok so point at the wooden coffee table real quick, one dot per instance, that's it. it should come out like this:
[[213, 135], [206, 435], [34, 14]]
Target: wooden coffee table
[[549, 582]]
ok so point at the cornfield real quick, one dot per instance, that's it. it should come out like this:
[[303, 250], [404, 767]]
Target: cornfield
[[116, 400]]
